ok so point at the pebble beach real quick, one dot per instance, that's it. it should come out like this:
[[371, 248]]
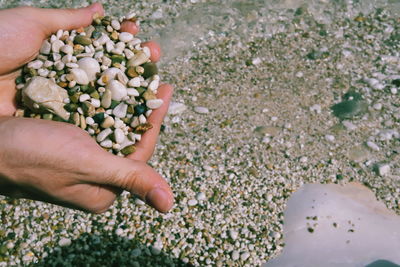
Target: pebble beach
[[268, 97]]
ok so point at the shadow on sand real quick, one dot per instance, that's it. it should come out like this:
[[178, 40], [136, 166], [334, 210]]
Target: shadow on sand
[[107, 249]]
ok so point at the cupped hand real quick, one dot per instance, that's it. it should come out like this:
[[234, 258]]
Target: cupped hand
[[57, 162]]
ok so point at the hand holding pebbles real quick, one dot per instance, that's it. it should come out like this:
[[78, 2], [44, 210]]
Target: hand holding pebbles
[[99, 79]]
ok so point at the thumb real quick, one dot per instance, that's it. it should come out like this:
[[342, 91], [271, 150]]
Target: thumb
[[66, 19], [136, 177]]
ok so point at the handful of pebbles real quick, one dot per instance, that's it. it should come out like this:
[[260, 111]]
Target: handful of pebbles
[[98, 78]]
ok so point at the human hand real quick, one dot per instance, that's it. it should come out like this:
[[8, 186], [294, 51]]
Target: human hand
[[93, 178]]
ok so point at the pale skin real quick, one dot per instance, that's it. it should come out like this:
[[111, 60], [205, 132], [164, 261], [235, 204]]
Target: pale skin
[[58, 162]]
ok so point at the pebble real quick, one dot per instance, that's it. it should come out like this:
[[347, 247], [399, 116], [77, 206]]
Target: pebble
[[80, 76], [244, 256], [349, 125], [154, 85], [201, 196], [45, 48], [103, 134], [56, 46], [377, 106], [125, 37], [36, 64], [192, 202], [383, 169], [176, 108], [108, 122], [106, 143], [67, 49], [329, 138], [119, 136], [373, 146], [235, 255], [115, 24], [138, 59], [117, 89], [132, 92], [233, 234], [154, 103], [316, 108], [64, 242], [84, 97], [120, 110], [201, 110], [90, 66], [106, 99]]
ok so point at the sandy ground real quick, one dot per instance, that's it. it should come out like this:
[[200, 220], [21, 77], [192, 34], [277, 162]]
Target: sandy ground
[[268, 78]]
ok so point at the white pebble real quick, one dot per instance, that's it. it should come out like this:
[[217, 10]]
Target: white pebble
[[43, 72], [90, 66], [64, 242], [37, 64], [233, 234], [103, 134], [316, 108], [132, 92], [56, 45], [67, 49], [176, 108], [80, 76], [373, 146], [393, 90], [135, 82], [329, 138], [115, 24], [89, 121], [384, 169], [201, 196], [154, 85], [45, 48], [154, 103], [120, 110], [377, 106], [244, 256], [84, 97], [72, 65], [125, 37], [201, 110], [119, 136], [192, 202], [235, 255], [349, 125], [118, 90], [95, 102], [142, 119]]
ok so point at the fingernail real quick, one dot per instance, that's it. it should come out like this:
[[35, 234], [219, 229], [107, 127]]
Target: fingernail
[[160, 199]]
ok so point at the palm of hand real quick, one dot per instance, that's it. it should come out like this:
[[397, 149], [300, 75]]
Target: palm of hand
[[83, 180]]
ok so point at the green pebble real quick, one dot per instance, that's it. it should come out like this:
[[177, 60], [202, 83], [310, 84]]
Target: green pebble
[[131, 109], [99, 117], [150, 69], [73, 90], [126, 120], [141, 90], [84, 88], [106, 21], [96, 34], [128, 150], [71, 107], [75, 97], [32, 72], [117, 59], [82, 40], [60, 72], [56, 118], [88, 109], [95, 95], [114, 103], [19, 80], [47, 116]]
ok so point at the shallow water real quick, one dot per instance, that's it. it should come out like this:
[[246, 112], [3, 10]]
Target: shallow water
[[269, 73]]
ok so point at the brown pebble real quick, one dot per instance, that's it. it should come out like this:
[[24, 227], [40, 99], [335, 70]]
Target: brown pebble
[[142, 128], [128, 150], [149, 95]]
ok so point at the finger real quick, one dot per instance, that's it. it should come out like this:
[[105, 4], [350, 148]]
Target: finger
[[155, 50], [66, 19], [135, 177], [129, 26], [145, 148]]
